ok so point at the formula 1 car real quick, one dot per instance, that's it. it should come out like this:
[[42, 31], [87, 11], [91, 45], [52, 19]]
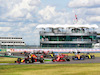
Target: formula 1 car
[[25, 53], [9, 54], [48, 54], [31, 59], [78, 57], [89, 56], [61, 58]]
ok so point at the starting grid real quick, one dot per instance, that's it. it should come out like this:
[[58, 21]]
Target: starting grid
[[54, 50]]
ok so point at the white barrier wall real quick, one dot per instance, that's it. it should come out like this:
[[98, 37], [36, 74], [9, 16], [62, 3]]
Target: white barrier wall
[[56, 50]]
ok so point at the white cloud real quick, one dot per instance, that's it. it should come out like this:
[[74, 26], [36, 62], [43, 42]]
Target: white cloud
[[5, 29], [27, 27], [93, 11], [24, 29], [9, 3], [19, 10], [84, 3], [88, 10], [89, 15], [49, 14], [98, 29], [94, 19]]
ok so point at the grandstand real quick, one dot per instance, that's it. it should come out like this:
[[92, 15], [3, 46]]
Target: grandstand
[[69, 36]]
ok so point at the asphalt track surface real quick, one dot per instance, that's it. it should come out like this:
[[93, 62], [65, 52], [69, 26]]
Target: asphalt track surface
[[96, 60]]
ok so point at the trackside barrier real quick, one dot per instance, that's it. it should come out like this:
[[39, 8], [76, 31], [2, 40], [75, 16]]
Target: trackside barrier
[[55, 50]]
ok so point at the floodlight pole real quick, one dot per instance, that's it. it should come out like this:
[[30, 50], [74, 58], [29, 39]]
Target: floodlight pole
[[0, 44]]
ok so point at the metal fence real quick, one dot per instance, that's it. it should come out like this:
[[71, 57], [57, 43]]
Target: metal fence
[[44, 47]]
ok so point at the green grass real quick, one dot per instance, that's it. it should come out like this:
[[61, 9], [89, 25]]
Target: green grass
[[7, 60], [96, 54], [51, 69]]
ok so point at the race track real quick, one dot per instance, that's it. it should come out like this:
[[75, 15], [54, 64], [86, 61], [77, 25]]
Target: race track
[[96, 60]]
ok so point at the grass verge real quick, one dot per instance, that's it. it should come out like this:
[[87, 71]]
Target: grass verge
[[51, 69], [7, 60]]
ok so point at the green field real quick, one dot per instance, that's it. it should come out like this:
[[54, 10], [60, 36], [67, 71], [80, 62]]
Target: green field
[[51, 69], [7, 60]]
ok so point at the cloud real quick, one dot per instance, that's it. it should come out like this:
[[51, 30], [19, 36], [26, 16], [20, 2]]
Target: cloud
[[29, 32], [5, 29], [88, 10], [84, 3], [93, 11], [89, 15], [49, 14], [94, 19], [19, 10], [27, 28]]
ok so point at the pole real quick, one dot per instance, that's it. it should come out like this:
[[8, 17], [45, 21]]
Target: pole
[[0, 44]]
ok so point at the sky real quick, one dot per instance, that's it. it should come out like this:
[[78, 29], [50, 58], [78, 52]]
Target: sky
[[19, 18]]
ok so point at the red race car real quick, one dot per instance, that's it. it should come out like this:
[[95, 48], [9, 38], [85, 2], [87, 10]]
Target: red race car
[[61, 58]]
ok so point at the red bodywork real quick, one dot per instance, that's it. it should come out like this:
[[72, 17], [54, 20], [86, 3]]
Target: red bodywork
[[46, 53], [60, 58]]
